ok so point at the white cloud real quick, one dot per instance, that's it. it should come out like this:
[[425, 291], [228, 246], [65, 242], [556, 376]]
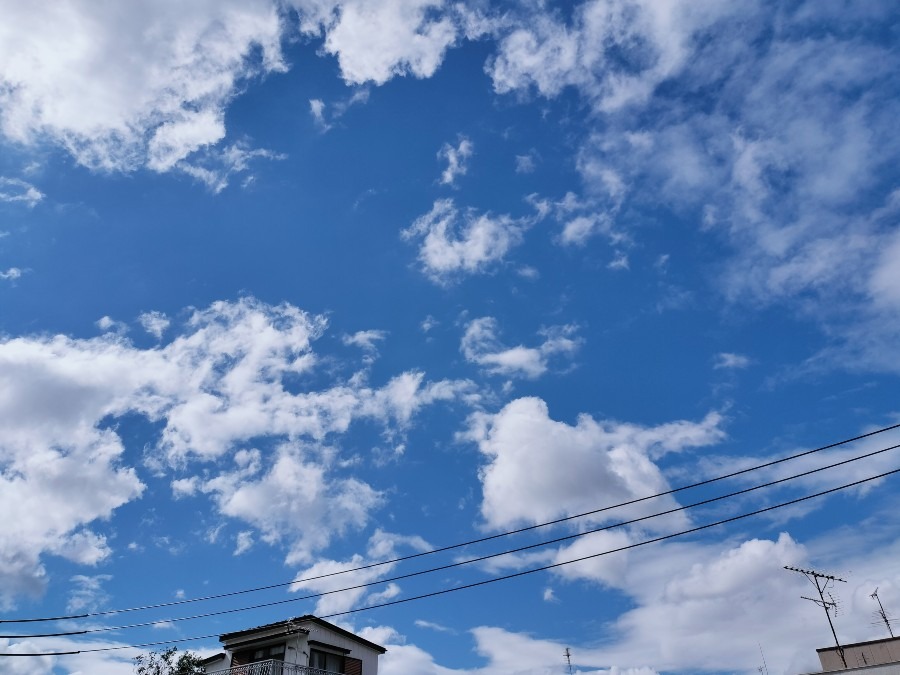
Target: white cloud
[[88, 594], [539, 469], [375, 41], [620, 262], [884, 284], [431, 625], [454, 243], [154, 323], [530, 273], [390, 592], [243, 542], [296, 498], [338, 109], [11, 274], [114, 658], [367, 340], [526, 163], [157, 77], [17, 190], [457, 160], [678, 592], [185, 487], [428, 323], [217, 384], [583, 218], [615, 53], [785, 169], [317, 110], [215, 166], [336, 575], [731, 361], [481, 345]]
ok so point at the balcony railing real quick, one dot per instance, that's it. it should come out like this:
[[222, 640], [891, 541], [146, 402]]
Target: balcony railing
[[273, 667]]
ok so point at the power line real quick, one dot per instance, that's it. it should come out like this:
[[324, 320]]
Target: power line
[[450, 547], [504, 577], [461, 563]]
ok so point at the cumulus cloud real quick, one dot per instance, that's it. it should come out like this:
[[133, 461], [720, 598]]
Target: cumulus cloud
[[17, 190], [157, 78], [481, 345], [376, 41], [55, 479], [615, 53], [453, 243], [678, 591], [296, 498], [457, 160], [219, 383], [538, 469]]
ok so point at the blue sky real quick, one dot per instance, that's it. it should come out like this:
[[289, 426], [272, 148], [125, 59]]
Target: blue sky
[[288, 288]]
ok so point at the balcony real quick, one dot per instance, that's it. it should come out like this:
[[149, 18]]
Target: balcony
[[274, 667]]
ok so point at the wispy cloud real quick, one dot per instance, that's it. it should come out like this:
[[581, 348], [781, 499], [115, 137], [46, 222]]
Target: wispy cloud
[[457, 159], [731, 361], [17, 190], [480, 344]]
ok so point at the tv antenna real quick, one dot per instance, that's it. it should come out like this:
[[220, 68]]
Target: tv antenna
[[881, 612], [764, 668], [827, 605], [568, 655]]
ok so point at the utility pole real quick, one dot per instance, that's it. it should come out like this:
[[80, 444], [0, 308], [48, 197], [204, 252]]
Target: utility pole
[[883, 614], [569, 660], [827, 605]]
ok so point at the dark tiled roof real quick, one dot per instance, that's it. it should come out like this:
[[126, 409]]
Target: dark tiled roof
[[291, 625]]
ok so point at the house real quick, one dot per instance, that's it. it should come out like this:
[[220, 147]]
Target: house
[[305, 645]]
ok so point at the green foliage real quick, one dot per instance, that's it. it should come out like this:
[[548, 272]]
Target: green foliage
[[168, 662]]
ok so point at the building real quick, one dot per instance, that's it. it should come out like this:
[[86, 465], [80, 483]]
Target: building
[[305, 645], [875, 657]]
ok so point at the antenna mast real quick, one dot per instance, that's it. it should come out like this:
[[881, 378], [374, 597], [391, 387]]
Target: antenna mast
[[569, 660], [883, 614], [765, 666], [827, 605]]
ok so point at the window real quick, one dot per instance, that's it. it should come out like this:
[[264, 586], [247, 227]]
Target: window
[[269, 652], [326, 661]]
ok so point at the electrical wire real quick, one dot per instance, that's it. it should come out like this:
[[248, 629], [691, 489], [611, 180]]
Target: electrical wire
[[504, 577], [460, 563], [450, 547]]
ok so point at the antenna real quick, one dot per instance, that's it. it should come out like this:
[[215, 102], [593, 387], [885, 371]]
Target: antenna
[[569, 660], [883, 614], [827, 605], [765, 667]]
